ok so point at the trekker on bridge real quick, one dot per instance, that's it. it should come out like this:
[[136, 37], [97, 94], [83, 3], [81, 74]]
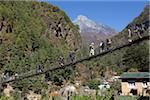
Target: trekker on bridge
[[7, 75], [39, 68], [101, 49], [141, 28], [3, 76], [146, 24], [108, 44], [1, 40], [16, 75], [137, 30], [61, 61], [47, 76], [129, 34], [91, 47], [72, 56]]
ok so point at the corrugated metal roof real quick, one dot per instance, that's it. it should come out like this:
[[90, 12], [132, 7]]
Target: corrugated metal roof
[[135, 75]]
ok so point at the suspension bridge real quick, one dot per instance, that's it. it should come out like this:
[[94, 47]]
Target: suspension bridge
[[33, 73]]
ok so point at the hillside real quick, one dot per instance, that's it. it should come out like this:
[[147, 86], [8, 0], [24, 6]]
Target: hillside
[[32, 33], [122, 36], [134, 58]]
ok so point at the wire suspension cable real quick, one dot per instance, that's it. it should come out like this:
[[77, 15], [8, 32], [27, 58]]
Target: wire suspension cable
[[78, 61]]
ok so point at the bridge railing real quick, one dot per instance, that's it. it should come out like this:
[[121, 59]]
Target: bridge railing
[[33, 72]]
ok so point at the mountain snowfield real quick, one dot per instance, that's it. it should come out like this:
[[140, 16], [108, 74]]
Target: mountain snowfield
[[87, 25]]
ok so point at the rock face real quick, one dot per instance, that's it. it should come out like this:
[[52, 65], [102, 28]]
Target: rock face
[[62, 29], [92, 31], [54, 23], [83, 72], [7, 91], [68, 91], [33, 96]]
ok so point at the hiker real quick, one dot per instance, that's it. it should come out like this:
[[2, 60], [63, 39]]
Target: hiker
[[16, 75], [61, 61], [108, 44], [3, 77], [146, 24], [72, 56], [140, 31], [47, 76], [39, 68], [137, 30], [1, 40], [142, 27], [6, 75], [91, 49], [129, 35], [101, 46]]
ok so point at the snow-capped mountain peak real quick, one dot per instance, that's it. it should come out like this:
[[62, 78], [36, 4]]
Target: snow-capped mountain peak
[[84, 22], [81, 17], [88, 25]]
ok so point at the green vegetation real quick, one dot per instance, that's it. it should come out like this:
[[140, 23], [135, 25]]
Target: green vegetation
[[93, 84], [28, 38], [79, 98], [126, 98], [137, 57]]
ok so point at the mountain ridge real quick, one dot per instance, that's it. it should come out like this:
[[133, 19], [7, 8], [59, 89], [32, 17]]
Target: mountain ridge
[[88, 25], [92, 31]]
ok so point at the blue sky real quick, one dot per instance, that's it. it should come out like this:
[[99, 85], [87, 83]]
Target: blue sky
[[116, 14]]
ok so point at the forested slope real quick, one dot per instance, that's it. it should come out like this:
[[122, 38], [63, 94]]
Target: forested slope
[[32, 33]]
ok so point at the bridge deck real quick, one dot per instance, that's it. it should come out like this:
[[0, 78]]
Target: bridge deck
[[33, 73]]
